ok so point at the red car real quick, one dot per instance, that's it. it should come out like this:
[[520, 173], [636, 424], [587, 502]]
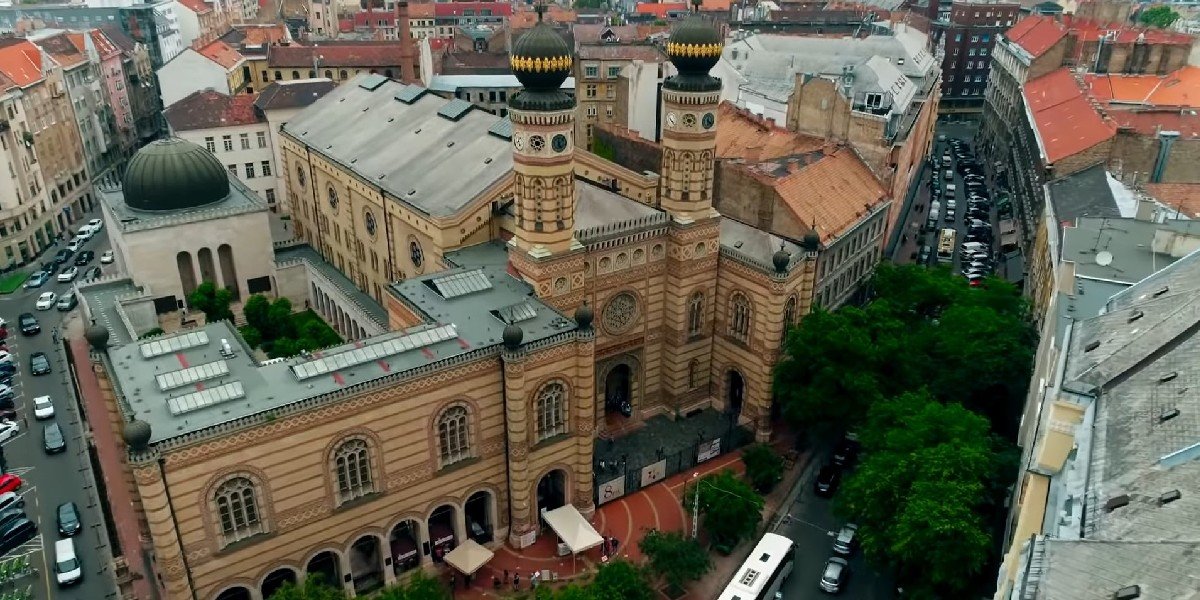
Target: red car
[[9, 483]]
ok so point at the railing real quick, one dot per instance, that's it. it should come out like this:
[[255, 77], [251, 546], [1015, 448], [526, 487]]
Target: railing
[[611, 230]]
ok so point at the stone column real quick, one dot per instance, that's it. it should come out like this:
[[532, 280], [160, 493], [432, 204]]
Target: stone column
[[517, 416], [584, 409], [168, 547]]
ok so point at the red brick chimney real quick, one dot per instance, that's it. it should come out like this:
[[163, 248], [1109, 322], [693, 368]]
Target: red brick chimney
[[410, 68]]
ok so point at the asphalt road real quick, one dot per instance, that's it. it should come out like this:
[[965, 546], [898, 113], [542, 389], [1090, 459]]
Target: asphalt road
[[811, 524], [50, 480]]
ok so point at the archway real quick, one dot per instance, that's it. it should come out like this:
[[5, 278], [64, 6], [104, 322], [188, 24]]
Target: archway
[[275, 580], [208, 272], [551, 491], [228, 270], [618, 391], [478, 510], [366, 564], [403, 541], [326, 568], [441, 531], [235, 593], [735, 391], [187, 274]]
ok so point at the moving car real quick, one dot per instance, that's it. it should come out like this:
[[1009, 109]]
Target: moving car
[[67, 275], [107, 257], [68, 519], [67, 568], [43, 407], [846, 541], [9, 483], [46, 300], [8, 430], [63, 255], [39, 364], [29, 324], [827, 481], [37, 280], [67, 301], [835, 574], [53, 440], [84, 258]]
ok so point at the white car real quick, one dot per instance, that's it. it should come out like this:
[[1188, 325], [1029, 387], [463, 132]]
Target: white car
[[8, 430], [46, 300], [85, 233], [107, 257], [5, 357], [43, 407], [76, 244], [68, 274], [96, 225]]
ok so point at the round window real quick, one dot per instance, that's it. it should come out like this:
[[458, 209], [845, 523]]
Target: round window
[[333, 198], [300, 175], [415, 254], [369, 221]]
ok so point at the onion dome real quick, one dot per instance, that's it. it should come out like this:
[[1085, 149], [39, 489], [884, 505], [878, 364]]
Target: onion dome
[[694, 48], [137, 434], [541, 60], [781, 259], [174, 174], [513, 334], [811, 241], [584, 316], [96, 336]]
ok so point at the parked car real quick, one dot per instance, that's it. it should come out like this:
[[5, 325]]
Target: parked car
[[46, 301], [43, 408], [846, 451], [17, 533], [8, 431], [29, 324], [68, 519], [84, 233], [39, 364], [11, 499], [53, 440], [7, 392], [9, 482], [846, 541], [67, 301], [68, 275], [835, 574], [96, 224], [827, 481], [37, 280], [9, 515], [63, 255], [107, 257], [84, 258]]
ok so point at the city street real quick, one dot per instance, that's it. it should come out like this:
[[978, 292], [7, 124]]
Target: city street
[[50, 480]]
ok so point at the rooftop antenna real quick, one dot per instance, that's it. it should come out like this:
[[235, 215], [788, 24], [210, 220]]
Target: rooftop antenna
[[540, 9], [1099, 234]]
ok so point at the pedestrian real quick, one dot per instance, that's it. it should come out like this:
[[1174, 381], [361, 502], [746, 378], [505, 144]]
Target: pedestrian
[[535, 579], [506, 576], [516, 580]]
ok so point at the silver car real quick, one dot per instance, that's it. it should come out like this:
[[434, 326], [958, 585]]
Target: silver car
[[846, 540], [833, 578]]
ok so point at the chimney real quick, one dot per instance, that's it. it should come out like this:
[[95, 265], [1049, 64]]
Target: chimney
[[404, 36], [1145, 208]]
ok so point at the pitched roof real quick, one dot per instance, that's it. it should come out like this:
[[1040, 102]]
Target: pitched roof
[[293, 94], [524, 19], [660, 9], [60, 48], [1064, 119], [1088, 30], [207, 109], [105, 46], [119, 38], [339, 54], [1036, 34], [199, 7], [643, 52], [742, 134], [262, 34], [221, 53], [1180, 88], [20, 61], [423, 10], [458, 9], [1183, 197]]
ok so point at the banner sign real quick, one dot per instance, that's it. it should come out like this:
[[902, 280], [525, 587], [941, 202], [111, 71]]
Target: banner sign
[[612, 490], [708, 450], [654, 473]]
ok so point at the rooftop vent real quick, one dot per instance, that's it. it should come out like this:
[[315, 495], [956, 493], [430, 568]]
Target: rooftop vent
[[1128, 593], [372, 82], [1091, 346], [1169, 497], [1168, 414], [501, 129], [226, 349], [1137, 314], [1117, 502], [455, 109], [1168, 377], [410, 94]]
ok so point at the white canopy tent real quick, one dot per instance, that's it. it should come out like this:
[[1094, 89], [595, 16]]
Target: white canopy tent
[[468, 557], [574, 530]]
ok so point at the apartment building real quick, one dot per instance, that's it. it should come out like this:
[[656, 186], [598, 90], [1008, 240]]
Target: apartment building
[[154, 24], [278, 103], [335, 60], [449, 16], [217, 65], [607, 76], [139, 83], [202, 22], [967, 38]]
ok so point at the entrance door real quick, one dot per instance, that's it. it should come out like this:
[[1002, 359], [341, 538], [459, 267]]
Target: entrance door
[[552, 491], [735, 392], [618, 391]]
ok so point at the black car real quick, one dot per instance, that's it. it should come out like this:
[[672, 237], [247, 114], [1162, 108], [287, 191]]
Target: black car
[[16, 533], [68, 519], [84, 258], [63, 256], [53, 440], [9, 515], [846, 452], [827, 481], [39, 364], [29, 324]]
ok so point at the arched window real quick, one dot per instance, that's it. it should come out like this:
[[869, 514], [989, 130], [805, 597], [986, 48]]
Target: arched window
[[295, 74], [352, 464], [237, 509], [789, 318], [342, 75], [453, 436], [693, 374], [551, 410], [739, 317], [328, 74], [696, 314]]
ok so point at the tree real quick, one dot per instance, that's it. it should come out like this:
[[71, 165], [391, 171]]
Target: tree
[[419, 586], [621, 580], [590, 3], [251, 335], [312, 589], [731, 509], [676, 559], [764, 467], [212, 301], [283, 347], [1158, 16], [926, 462], [255, 310]]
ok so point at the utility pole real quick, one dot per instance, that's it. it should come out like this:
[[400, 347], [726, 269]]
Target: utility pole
[[696, 507]]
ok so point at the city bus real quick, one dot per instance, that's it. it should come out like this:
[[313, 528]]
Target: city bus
[[763, 573], [946, 245]]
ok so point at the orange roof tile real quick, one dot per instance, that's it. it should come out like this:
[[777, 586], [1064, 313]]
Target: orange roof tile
[[1184, 197], [1150, 122], [199, 7], [1178, 89], [423, 10], [1122, 33], [660, 9], [103, 45], [221, 53], [62, 49], [1036, 34], [21, 62], [744, 135], [262, 35], [1064, 118]]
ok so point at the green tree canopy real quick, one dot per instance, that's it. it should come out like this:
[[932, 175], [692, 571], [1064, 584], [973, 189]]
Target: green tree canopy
[[590, 3], [312, 589], [676, 559], [764, 467], [419, 586], [730, 508], [621, 580], [212, 301], [1159, 16]]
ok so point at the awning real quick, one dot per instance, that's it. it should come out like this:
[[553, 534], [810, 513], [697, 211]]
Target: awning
[[468, 557], [572, 528]]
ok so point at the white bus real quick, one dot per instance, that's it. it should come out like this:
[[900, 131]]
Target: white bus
[[946, 245], [763, 573]]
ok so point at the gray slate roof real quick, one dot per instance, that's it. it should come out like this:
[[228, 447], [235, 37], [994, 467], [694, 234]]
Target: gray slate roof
[[1129, 242], [417, 156], [1083, 194], [1093, 570], [293, 94]]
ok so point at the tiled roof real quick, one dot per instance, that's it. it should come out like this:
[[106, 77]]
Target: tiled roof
[[458, 9], [262, 35], [423, 10], [524, 19], [20, 61], [119, 38], [339, 54], [199, 7], [831, 189], [1150, 122], [223, 54], [207, 109], [105, 46], [62, 50], [293, 94], [1036, 34], [660, 9], [742, 134], [364, 18], [1065, 121], [1183, 197], [1181, 88], [643, 52], [1087, 30]]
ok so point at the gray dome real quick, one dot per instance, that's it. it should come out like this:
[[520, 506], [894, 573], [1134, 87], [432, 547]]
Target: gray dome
[[584, 316], [174, 174], [513, 334], [96, 336], [137, 434], [781, 259]]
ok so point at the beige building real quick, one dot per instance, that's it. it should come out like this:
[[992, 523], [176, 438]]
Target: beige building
[[278, 103], [529, 310], [608, 76]]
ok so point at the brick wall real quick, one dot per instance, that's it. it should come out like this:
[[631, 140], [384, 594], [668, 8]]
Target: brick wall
[[1079, 161], [629, 150], [1135, 155], [1052, 59], [745, 198]]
